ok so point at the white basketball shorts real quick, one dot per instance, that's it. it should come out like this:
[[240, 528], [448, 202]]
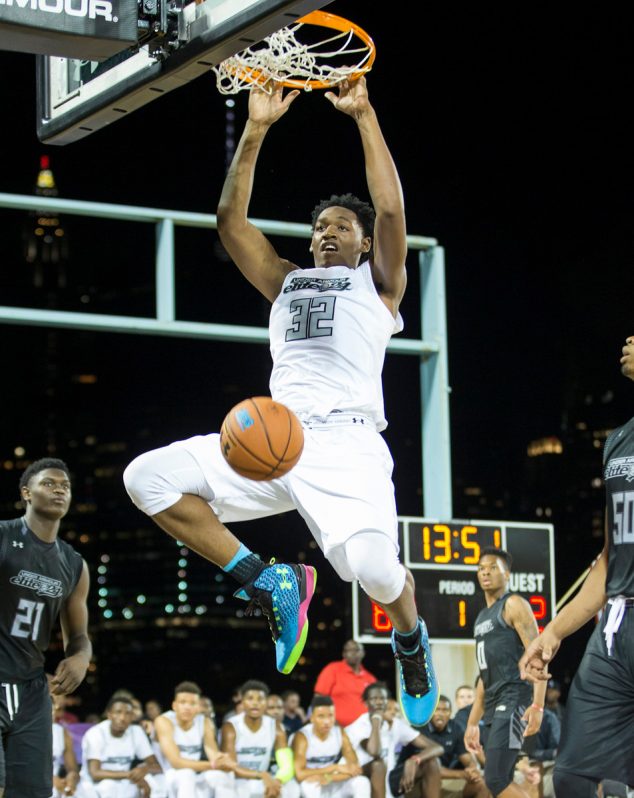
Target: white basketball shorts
[[342, 485]]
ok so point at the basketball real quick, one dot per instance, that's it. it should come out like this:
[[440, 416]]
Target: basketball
[[261, 439]]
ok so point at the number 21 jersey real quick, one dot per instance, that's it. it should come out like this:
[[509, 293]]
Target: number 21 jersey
[[35, 580]]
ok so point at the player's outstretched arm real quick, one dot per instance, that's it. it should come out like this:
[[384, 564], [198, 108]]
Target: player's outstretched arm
[[249, 249], [583, 607], [71, 671], [390, 242]]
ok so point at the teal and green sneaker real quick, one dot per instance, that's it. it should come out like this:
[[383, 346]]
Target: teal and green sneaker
[[283, 592], [419, 687]]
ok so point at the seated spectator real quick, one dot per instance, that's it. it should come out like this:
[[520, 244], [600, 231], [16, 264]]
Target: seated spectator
[[152, 709], [137, 710], [465, 695], [236, 705], [251, 738], [462, 712], [294, 714], [461, 777], [184, 737], [207, 709], [344, 681], [275, 708], [65, 766], [377, 734], [527, 775], [326, 764], [109, 753]]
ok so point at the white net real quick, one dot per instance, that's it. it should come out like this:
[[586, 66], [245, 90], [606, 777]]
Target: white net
[[283, 58]]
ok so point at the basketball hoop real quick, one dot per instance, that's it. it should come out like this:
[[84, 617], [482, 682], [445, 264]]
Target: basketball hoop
[[307, 63]]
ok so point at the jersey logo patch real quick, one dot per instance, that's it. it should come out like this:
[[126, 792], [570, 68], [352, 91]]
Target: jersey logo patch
[[320, 284], [620, 467], [483, 628], [42, 585], [17, 544]]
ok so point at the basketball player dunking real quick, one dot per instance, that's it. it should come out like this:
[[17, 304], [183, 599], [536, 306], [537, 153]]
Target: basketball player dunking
[[597, 733], [42, 577], [329, 328]]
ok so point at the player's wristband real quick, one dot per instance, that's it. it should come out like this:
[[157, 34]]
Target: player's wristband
[[536, 706]]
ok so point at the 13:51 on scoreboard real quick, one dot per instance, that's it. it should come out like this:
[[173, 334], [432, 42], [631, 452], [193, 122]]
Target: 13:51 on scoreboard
[[443, 557]]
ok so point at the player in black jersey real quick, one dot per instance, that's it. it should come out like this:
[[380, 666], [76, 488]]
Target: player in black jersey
[[42, 577], [510, 709], [597, 736]]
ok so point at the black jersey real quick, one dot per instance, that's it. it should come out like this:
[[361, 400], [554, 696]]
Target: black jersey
[[35, 580], [452, 740], [618, 462], [498, 650]]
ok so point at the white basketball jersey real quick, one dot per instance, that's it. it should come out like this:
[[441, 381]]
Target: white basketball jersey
[[393, 737], [321, 753], [58, 747], [254, 748], [114, 753], [189, 741], [329, 331]]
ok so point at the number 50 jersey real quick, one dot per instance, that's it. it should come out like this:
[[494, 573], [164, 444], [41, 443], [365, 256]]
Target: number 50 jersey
[[618, 462], [329, 331], [36, 578]]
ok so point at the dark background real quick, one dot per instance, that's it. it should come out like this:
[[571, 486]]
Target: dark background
[[511, 129]]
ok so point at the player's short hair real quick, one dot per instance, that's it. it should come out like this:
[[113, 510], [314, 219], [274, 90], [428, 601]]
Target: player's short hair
[[187, 687], [495, 552], [119, 698], [374, 686], [444, 698], [321, 701], [255, 684], [41, 465], [287, 693], [364, 211]]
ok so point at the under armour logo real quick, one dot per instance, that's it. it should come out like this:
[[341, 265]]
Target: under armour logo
[[285, 583], [17, 544]]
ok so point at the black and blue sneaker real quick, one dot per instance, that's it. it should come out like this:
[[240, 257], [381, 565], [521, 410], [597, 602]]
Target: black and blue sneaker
[[283, 592], [419, 688]]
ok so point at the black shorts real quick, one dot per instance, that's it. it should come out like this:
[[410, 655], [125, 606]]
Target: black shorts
[[503, 742], [26, 723], [597, 732]]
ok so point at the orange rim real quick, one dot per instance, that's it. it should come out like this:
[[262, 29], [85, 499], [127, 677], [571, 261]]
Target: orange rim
[[325, 20]]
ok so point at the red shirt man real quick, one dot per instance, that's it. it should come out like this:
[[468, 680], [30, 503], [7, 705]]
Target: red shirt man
[[344, 681]]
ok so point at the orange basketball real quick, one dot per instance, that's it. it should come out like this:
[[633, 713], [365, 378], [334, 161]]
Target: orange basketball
[[261, 439]]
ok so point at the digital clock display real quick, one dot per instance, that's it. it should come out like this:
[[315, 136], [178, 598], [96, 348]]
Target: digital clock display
[[443, 557], [449, 543]]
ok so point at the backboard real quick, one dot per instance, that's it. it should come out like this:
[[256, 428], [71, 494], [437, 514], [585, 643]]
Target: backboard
[[178, 41]]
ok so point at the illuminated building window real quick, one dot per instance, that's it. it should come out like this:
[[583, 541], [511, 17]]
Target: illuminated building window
[[549, 445]]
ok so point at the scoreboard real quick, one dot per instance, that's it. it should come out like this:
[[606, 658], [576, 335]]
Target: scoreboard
[[443, 558]]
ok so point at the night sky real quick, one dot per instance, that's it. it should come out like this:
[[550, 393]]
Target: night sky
[[512, 132]]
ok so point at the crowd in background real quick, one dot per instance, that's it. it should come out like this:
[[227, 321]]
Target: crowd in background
[[356, 698]]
